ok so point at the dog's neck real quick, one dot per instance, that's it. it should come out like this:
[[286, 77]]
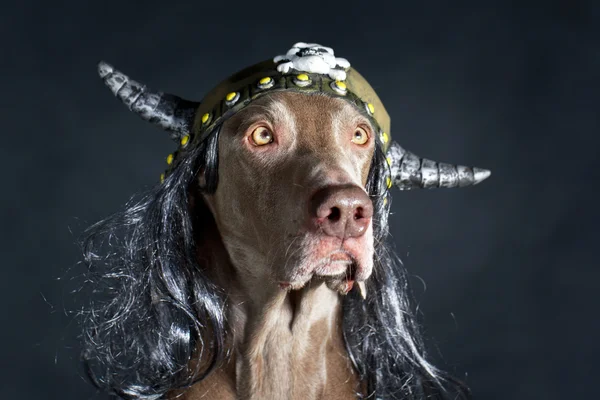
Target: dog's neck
[[285, 344]]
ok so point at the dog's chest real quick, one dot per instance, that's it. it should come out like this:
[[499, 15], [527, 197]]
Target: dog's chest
[[313, 373]]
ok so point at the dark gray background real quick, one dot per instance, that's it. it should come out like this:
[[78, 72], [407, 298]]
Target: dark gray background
[[510, 266]]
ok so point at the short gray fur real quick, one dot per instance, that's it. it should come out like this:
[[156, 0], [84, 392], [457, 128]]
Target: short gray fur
[[409, 171], [168, 111]]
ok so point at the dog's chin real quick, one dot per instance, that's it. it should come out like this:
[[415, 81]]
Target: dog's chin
[[341, 283], [339, 277], [338, 265]]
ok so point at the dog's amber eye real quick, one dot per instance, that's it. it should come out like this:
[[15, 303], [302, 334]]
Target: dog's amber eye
[[261, 136], [360, 136]]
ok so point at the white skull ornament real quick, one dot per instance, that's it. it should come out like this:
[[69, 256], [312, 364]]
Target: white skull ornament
[[313, 58]]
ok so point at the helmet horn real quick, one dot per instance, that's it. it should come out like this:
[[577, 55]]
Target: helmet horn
[[409, 171], [165, 110]]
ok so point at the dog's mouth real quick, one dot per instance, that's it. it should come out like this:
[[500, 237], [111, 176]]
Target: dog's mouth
[[337, 270], [341, 283], [341, 265], [345, 281]]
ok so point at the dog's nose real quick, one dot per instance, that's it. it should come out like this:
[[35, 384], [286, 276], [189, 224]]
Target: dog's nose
[[341, 211]]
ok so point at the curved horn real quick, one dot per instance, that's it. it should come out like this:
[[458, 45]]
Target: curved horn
[[165, 110], [409, 171]]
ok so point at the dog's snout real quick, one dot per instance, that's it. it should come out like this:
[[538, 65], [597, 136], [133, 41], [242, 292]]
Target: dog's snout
[[341, 211]]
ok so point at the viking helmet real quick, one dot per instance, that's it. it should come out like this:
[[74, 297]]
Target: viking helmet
[[305, 68]]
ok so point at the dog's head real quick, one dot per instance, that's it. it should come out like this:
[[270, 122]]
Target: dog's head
[[291, 202]]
